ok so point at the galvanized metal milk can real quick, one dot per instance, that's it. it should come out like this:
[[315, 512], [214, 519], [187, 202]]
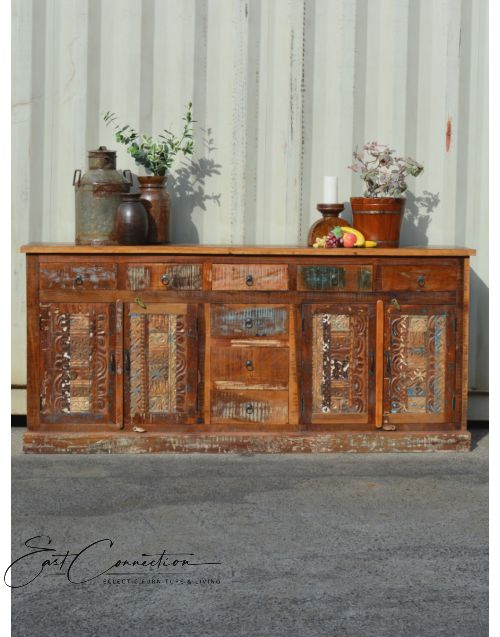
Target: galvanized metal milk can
[[97, 197]]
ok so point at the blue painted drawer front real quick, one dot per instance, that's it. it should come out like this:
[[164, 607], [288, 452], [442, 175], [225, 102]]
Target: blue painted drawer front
[[335, 278]]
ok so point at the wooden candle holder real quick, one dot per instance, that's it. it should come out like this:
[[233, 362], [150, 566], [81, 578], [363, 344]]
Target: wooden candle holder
[[330, 212]]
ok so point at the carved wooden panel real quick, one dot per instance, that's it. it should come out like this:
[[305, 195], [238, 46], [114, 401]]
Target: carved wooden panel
[[250, 276], [341, 278], [338, 362], [161, 363], [419, 365], [76, 347], [64, 276]]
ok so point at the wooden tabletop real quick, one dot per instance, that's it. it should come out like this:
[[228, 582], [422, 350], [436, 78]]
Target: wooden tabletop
[[293, 250]]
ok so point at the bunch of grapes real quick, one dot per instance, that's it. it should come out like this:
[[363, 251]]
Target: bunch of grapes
[[334, 238], [333, 242]]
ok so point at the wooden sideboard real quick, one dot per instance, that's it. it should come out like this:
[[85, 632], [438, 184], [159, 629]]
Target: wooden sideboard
[[246, 349]]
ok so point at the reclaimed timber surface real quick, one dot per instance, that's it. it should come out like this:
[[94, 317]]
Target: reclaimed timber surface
[[252, 367], [410, 251], [339, 277], [72, 277], [464, 350], [418, 278], [165, 276], [325, 350], [259, 407], [33, 341], [246, 442], [379, 363]]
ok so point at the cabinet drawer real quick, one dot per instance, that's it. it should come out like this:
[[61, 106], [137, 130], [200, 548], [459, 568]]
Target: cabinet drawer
[[334, 277], [258, 407], [166, 276], [426, 278], [251, 276], [244, 321], [250, 367], [62, 276]]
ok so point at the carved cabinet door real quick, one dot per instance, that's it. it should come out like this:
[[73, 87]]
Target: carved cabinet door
[[338, 364], [78, 365], [419, 364], [161, 352]]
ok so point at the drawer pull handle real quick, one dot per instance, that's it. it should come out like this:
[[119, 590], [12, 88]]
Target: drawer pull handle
[[127, 361], [248, 323], [249, 365], [421, 281], [78, 279], [249, 280], [388, 363], [165, 279], [249, 408], [112, 364]]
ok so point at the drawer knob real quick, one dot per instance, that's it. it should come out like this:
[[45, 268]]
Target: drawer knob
[[249, 365], [249, 408], [421, 281], [248, 323], [78, 279], [165, 279], [249, 280]]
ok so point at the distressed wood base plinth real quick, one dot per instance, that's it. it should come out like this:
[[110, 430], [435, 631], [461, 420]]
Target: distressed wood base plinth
[[284, 442]]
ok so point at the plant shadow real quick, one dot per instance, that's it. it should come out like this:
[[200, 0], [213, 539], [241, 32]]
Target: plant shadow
[[418, 217], [186, 189]]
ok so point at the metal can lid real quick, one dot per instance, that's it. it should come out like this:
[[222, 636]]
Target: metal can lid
[[102, 158]]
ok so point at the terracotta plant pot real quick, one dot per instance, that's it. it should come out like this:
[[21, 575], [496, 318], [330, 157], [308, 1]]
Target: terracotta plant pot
[[153, 191], [379, 218]]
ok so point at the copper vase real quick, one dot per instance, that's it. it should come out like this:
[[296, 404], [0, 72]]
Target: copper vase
[[153, 191]]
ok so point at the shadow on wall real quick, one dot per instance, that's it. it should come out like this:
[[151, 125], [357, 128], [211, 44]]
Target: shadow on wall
[[417, 218], [186, 188], [479, 334]]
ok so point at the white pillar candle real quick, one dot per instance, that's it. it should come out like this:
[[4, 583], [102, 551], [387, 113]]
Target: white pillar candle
[[330, 190]]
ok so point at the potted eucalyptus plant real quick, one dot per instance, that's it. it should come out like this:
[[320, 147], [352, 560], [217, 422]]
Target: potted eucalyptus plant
[[379, 213], [156, 156]]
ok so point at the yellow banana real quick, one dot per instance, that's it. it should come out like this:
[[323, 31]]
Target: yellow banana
[[360, 242], [370, 244]]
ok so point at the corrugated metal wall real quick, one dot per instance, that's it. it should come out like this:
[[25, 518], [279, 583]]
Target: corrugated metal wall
[[282, 91]]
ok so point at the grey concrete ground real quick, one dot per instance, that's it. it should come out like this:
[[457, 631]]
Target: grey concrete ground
[[338, 545]]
